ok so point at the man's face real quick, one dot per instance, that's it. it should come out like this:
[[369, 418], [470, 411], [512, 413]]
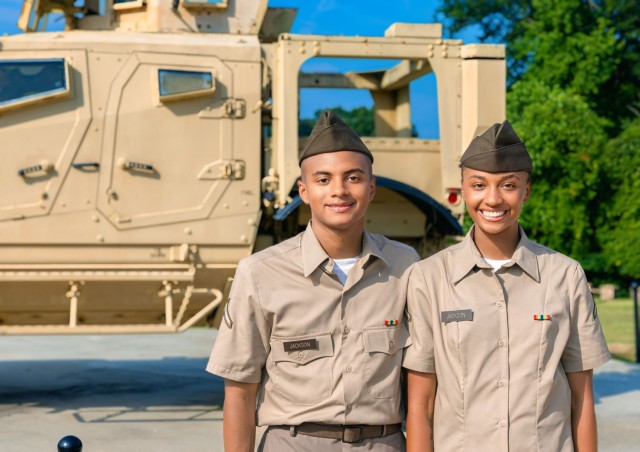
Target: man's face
[[338, 187], [494, 201]]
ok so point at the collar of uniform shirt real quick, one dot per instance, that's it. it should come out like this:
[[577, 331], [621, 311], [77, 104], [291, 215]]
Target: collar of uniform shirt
[[469, 257], [313, 255]]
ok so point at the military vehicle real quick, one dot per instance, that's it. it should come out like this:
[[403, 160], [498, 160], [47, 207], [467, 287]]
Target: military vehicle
[[152, 144]]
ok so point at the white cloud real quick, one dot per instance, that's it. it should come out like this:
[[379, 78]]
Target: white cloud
[[325, 6], [321, 65], [305, 27]]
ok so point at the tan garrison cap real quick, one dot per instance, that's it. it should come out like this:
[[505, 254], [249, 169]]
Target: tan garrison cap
[[331, 134], [498, 150]]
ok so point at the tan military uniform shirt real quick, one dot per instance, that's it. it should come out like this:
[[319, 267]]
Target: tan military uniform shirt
[[323, 352], [500, 344]]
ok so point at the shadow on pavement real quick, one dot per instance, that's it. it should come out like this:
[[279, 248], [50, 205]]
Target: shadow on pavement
[[114, 390], [616, 378]]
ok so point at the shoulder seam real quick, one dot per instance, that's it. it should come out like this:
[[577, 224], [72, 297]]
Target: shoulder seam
[[264, 255]]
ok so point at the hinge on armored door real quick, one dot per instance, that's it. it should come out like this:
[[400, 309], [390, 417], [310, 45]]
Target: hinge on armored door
[[223, 169], [235, 108], [233, 169]]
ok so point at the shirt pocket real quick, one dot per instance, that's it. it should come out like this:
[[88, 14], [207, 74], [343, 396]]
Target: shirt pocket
[[383, 347], [303, 377]]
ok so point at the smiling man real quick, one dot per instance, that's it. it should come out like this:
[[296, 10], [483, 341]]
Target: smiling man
[[505, 328], [313, 334]]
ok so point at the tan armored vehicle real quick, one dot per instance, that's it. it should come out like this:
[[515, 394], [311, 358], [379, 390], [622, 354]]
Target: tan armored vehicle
[[153, 144]]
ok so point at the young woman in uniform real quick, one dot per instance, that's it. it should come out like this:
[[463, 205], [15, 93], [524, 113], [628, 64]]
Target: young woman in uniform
[[505, 331]]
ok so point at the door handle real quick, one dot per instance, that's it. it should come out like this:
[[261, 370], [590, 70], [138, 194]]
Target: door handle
[[44, 166], [86, 165], [125, 164]]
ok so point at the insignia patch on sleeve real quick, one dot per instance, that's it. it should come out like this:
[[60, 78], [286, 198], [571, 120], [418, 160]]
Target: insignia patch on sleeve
[[594, 311], [227, 315]]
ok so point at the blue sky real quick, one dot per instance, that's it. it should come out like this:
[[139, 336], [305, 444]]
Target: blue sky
[[363, 18], [340, 17]]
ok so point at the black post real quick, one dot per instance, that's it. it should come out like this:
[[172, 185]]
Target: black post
[[70, 443], [634, 287]]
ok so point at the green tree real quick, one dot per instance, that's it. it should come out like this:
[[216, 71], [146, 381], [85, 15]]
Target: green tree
[[360, 119], [620, 234], [591, 46], [567, 171]]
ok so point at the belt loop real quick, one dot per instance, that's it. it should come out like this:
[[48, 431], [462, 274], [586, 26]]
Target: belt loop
[[349, 433], [384, 430], [292, 430]]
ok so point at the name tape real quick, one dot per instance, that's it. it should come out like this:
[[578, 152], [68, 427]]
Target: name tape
[[463, 315], [306, 344]]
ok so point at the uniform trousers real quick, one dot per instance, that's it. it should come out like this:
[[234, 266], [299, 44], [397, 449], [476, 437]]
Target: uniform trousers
[[278, 440]]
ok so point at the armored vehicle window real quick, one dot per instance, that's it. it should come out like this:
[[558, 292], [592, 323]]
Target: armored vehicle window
[[25, 81], [128, 4], [180, 84], [123, 4], [219, 4]]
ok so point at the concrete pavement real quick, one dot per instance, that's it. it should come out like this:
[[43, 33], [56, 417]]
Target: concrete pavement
[[116, 393], [617, 396], [151, 393]]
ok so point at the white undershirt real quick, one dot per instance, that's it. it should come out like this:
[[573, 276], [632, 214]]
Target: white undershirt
[[496, 263], [342, 267]]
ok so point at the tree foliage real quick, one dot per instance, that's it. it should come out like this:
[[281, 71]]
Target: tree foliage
[[567, 169], [360, 119], [592, 46], [574, 72], [620, 234]]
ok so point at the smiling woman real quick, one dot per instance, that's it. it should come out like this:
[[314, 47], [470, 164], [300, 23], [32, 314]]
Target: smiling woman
[[494, 203], [498, 310], [495, 184]]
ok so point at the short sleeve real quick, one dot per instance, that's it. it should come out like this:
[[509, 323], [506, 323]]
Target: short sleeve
[[420, 354], [586, 347], [242, 344]]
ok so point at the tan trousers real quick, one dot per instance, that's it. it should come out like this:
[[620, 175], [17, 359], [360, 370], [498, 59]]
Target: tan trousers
[[278, 440]]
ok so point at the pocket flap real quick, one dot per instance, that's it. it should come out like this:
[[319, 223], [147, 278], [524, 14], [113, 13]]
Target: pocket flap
[[301, 349], [386, 339]]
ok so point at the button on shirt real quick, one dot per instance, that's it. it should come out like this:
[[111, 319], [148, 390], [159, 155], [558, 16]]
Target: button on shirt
[[323, 352], [501, 365]]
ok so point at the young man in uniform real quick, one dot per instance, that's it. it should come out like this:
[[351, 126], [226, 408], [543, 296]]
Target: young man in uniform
[[506, 328], [313, 332]]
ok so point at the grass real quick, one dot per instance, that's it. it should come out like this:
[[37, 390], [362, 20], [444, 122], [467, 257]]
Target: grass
[[616, 317]]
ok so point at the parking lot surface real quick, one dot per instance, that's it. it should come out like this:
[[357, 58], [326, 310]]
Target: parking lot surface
[[150, 393], [116, 393]]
